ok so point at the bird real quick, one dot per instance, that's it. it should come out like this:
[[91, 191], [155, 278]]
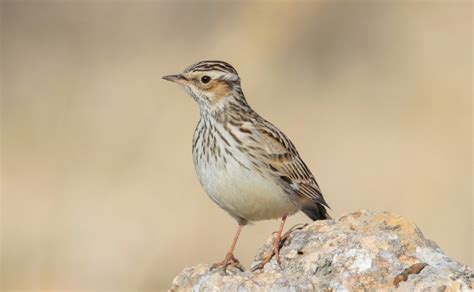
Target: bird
[[245, 164]]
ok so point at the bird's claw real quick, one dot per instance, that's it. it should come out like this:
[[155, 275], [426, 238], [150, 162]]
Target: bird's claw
[[268, 258], [229, 260], [277, 244]]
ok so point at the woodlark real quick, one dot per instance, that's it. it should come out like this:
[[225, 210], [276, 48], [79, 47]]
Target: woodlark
[[245, 164]]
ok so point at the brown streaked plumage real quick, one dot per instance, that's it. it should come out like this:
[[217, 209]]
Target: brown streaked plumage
[[245, 164]]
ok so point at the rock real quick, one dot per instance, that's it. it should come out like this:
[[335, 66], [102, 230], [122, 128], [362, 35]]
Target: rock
[[362, 250]]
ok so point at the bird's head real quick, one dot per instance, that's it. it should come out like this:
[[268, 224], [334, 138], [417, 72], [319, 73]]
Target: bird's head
[[210, 83]]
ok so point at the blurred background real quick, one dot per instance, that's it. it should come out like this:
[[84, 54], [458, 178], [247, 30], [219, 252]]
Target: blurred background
[[98, 186]]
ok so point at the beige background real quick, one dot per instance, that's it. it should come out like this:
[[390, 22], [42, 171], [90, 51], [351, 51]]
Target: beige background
[[99, 191]]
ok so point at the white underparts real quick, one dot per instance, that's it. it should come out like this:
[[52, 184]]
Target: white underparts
[[233, 183]]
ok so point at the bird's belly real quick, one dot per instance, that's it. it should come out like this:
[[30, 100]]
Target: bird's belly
[[244, 192]]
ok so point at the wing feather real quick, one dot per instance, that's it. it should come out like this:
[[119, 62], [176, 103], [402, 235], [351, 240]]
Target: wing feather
[[285, 162]]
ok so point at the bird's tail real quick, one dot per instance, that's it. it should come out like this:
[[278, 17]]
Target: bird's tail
[[316, 212]]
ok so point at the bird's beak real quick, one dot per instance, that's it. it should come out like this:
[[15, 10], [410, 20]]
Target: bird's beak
[[178, 78]]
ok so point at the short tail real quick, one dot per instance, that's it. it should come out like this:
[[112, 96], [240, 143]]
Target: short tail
[[316, 212]]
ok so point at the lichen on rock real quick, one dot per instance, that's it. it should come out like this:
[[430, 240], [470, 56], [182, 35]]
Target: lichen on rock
[[361, 250]]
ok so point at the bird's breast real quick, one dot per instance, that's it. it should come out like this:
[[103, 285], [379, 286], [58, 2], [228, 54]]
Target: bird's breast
[[234, 182]]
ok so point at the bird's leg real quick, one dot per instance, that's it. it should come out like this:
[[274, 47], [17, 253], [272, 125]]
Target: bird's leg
[[229, 259], [277, 243]]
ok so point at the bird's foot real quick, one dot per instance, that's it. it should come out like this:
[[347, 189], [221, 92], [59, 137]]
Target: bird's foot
[[277, 244], [274, 252], [229, 260], [299, 226]]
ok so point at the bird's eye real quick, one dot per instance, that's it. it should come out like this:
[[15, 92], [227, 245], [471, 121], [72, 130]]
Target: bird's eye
[[205, 79]]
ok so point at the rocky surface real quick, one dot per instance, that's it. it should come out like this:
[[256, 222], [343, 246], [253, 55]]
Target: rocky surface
[[362, 250]]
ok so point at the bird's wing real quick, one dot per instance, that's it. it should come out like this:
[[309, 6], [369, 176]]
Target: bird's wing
[[284, 161]]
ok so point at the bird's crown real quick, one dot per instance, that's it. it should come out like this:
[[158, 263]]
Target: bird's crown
[[211, 65]]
